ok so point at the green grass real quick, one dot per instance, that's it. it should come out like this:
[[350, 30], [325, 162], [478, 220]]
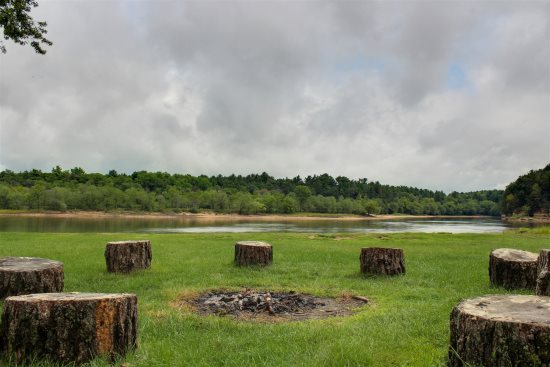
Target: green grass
[[406, 323], [526, 231]]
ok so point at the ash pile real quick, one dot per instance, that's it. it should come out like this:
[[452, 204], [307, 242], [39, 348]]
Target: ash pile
[[254, 302]]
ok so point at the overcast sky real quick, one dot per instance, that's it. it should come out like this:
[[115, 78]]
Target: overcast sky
[[437, 94]]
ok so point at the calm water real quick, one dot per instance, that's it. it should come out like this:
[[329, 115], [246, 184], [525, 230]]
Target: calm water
[[202, 225]]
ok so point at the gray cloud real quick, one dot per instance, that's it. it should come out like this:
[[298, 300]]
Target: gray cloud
[[445, 95]]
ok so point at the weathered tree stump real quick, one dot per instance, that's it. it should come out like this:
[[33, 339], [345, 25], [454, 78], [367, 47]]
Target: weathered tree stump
[[253, 253], [513, 269], [384, 261], [125, 256], [26, 275], [68, 327], [543, 271], [503, 330]]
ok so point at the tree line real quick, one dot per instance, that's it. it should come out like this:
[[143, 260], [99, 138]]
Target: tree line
[[74, 189], [529, 194]]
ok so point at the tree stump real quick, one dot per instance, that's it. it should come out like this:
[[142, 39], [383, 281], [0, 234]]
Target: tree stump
[[68, 327], [503, 330], [513, 269], [26, 275], [384, 261], [253, 253], [543, 271], [125, 256]]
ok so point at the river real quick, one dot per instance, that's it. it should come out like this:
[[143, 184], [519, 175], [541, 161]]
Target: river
[[203, 225]]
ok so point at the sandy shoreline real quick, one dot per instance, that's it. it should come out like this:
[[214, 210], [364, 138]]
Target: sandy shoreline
[[227, 217]]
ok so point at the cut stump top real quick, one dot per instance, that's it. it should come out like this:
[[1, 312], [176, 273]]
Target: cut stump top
[[253, 243], [509, 308], [122, 243], [69, 296], [23, 264], [514, 255]]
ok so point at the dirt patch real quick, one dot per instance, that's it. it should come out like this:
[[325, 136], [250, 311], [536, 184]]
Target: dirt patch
[[329, 237], [271, 306], [341, 238]]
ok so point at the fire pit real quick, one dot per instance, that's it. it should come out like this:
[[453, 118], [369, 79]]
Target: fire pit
[[275, 306]]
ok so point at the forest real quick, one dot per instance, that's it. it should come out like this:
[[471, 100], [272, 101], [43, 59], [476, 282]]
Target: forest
[[74, 189], [529, 194]]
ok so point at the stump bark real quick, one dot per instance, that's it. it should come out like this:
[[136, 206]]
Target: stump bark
[[68, 327], [384, 261], [126, 256], [503, 330], [253, 253], [26, 275], [513, 269], [543, 271]]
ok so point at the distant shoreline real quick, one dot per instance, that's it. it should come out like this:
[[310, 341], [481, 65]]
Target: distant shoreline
[[221, 216]]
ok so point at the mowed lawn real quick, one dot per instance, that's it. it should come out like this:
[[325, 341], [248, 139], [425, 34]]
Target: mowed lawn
[[405, 324]]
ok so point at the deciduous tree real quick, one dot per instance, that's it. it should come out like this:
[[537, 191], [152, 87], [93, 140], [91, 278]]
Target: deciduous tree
[[18, 25]]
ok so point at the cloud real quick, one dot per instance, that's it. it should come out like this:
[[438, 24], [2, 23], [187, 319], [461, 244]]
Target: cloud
[[449, 96]]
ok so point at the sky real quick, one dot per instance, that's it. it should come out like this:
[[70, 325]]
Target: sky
[[446, 95]]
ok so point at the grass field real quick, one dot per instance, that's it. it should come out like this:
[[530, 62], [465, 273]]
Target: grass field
[[405, 324]]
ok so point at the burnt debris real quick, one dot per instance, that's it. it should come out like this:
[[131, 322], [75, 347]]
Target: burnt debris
[[256, 302]]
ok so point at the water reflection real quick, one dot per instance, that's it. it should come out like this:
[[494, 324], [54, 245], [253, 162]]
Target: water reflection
[[209, 225]]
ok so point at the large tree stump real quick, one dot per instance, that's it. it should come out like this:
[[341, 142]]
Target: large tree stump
[[26, 275], [68, 327], [513, 269], [253, 253], [125, 256], [504, 330], [543, 271], [384, 261]]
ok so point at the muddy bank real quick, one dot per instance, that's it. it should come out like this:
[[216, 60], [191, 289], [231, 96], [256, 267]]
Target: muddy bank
[[537, 219]]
